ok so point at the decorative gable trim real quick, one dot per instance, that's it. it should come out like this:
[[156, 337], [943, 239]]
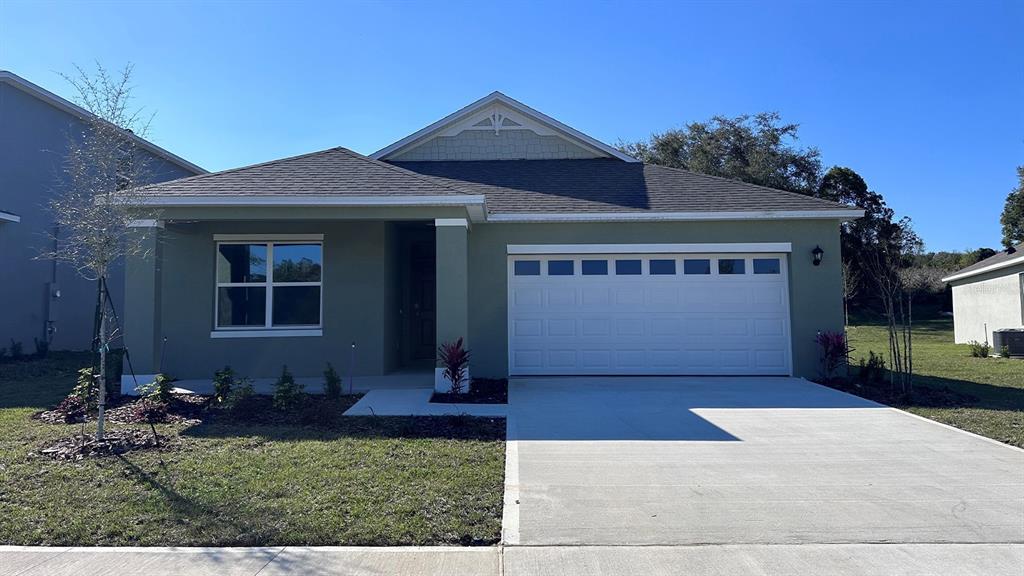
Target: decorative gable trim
[[497, 112]]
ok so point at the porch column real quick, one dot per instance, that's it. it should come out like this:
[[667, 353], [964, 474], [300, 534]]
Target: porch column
[[452, 281], [142, 307]]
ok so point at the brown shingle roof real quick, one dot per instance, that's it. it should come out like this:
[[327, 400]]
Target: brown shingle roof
[[331, 172]]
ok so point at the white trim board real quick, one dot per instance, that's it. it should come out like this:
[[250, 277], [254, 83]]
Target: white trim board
[[990, 268], [498, 98], [738, 247], [527, 217], [267, 333], [9, 217], [440, 222]]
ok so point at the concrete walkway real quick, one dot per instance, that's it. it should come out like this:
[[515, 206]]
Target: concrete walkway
[[730, 560], [416, 402]]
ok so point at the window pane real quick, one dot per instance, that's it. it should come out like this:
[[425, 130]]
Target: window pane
[[560, 268], [296, 306], [297, 262], [731, 266], [627, 267], [241, 306], [242, 263], [527, 268], [699, 266], [595, 267], [663, 266], [766, 265]]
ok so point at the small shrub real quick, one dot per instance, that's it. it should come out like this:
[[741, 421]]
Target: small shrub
[[332, 383], [980, 350], [240, 394], [159, 390], [15, 350], [223, 381], [1004, 351], [873, 370], [287, 392], [833, 352], [148, 410], [87, 387], [455, 360], [42, 347]]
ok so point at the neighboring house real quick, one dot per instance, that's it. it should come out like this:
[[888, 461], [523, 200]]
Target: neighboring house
[[549, 251], [988, 296], [41, 299]]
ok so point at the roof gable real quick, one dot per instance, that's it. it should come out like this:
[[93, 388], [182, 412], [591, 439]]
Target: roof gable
[[530, 135]]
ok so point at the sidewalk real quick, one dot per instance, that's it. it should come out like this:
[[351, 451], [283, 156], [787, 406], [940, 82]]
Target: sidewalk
[[720, 560]]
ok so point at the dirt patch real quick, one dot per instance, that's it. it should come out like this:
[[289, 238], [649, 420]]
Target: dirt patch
[[115, 442], [481, 391]]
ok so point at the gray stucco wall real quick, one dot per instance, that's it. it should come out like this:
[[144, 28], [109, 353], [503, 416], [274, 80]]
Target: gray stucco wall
[[360, 276], [356, 270], [815, 291], [486, 145], [33, 144], [992, 300]]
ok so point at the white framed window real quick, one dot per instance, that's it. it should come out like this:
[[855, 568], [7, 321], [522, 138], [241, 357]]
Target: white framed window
[[270, 286]]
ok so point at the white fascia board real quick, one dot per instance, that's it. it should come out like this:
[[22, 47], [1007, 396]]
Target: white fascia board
[[442, 222], [527, 217], [721, 247], [316, 201], [146, 223], [8, 217], [81, 113], [519, 107], [1004, 264]]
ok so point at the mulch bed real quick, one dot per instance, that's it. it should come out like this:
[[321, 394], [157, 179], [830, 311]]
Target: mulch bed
[[115, 442], [921, 396], [481, 391], [128, 410]]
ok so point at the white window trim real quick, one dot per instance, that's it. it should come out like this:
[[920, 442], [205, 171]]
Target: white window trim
[[746, 248], [267, 330]]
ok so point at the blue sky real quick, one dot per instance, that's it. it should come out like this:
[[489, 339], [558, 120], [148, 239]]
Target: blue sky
[[924, 100]]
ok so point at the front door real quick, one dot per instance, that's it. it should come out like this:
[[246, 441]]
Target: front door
[[421, 300]]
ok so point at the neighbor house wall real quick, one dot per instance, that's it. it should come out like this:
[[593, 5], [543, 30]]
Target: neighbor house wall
[[987, 302], [486, 145], [33, 145], [357, 267], [815, 291]]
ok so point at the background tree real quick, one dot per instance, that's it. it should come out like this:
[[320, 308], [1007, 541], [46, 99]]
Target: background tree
[[758, 149], [94, 209], [1012, 218]]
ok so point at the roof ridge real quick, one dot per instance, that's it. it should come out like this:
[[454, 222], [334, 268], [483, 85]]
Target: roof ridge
[[735, 180]]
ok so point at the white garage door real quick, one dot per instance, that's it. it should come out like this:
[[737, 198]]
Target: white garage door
[[699, 314]]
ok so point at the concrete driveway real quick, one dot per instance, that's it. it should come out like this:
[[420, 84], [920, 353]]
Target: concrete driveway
[[751, 461]]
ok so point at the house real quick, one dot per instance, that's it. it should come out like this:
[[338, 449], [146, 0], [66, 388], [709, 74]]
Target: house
[[548, 251], [988, 296], [44, 301]]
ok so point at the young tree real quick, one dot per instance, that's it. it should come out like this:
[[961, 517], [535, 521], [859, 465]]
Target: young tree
[[1012, 218], [94, 209], [758, 149]]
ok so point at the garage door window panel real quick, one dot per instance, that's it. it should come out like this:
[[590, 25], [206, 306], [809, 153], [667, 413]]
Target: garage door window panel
[[731, 266], [628, 267], [697, 266]]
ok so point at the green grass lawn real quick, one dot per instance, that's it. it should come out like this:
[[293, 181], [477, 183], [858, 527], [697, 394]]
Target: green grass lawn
[[996, 383], [356, 481]]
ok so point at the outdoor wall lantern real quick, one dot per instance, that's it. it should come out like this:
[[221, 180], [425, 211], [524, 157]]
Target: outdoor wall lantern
[[817, 253]]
